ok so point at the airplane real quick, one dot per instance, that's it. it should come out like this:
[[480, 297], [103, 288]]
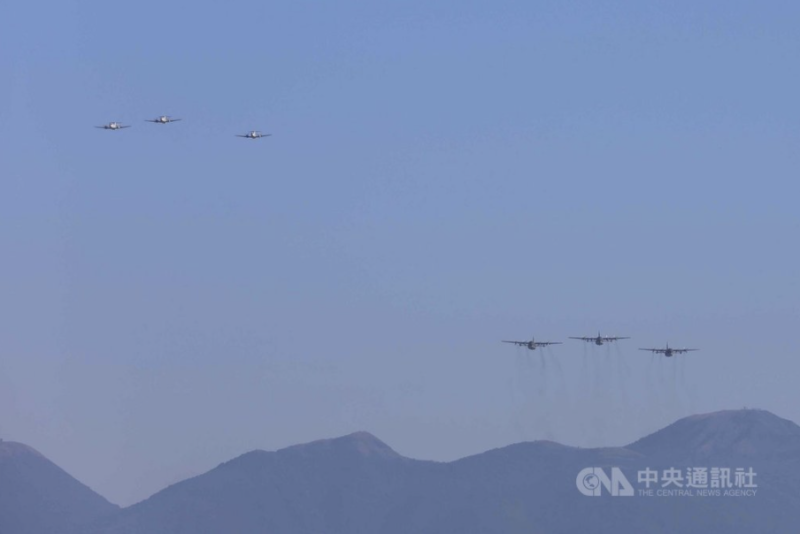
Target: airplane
[[533, 345], [163, 119], [669, 351], [255, 134], [599, 340], [112, 126]]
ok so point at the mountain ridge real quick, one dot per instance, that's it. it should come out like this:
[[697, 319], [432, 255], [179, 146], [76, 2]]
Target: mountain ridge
[[357, 484], [723, 434], [37, 496]]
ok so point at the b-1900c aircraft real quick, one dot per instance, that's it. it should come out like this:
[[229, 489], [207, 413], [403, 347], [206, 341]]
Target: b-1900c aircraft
[[669, 351], [255, 134], [163, 119], [112, 126], [532, 344], [599, 340]]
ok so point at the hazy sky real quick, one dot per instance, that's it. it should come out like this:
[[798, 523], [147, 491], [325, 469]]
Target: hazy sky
[[442, 175]]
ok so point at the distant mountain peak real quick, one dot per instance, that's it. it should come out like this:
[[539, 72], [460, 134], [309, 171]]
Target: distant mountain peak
[[357, 484], [9, 449], [744, 432], [363, 443], [367, 443], [38, 496]]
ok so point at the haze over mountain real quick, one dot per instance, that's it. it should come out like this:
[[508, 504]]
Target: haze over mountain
[[38, 497], [357, 484], [734, 434]]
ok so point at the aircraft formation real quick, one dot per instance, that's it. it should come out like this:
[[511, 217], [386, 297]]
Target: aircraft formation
[[599, 340], [166, 119]]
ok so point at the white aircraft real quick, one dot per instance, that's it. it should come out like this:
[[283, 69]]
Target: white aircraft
[[255, 134], [532, 345], [599, 340], [163, 119], [669, 351], [112, 126]]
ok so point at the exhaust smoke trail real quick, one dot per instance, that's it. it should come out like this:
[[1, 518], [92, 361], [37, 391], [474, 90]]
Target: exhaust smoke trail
[[562, 380], [532, 413], [607, 390]]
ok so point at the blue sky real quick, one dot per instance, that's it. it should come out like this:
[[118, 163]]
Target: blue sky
[[441, 176]]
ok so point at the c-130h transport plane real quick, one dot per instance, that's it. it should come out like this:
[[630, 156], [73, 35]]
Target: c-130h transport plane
[[532, 344], [669, 351], [599, 340]]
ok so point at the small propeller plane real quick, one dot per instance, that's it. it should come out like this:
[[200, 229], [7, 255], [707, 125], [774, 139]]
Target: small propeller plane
[[163, 119], [669, 351], [532, 344], [599, 340], [255, 134], [112, 126]]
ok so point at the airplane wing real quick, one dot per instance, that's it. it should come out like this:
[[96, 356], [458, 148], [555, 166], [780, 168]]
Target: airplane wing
[[174, 120], [151, 120], [545, 343], [237, 135], [104, 127], [655, 351], [584, 338], [613, 338], [128, 126], [680, 351], [520, 343]]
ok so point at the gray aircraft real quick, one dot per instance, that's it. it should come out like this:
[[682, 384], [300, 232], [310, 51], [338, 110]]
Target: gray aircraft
[[255, 134], [112, 126], [599, 340], [669, 351], [163, 119], [532, 344]]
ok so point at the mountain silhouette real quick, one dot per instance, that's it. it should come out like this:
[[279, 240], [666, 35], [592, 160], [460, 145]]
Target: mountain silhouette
[[730, 434], [37, 496], [356, 484]]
